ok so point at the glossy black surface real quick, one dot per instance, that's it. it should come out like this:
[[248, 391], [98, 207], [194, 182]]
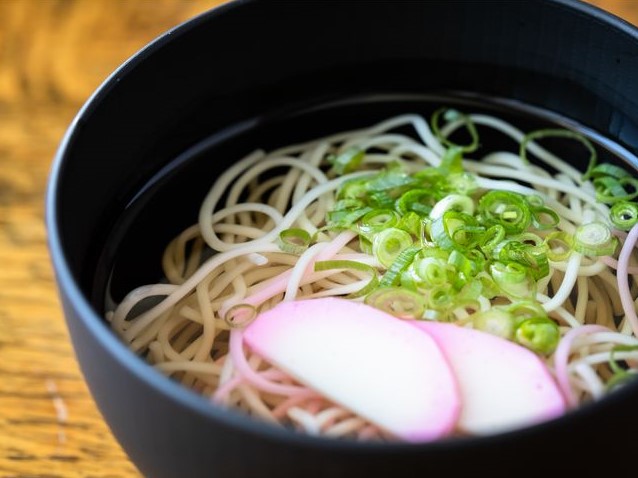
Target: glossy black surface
[[254, 63]]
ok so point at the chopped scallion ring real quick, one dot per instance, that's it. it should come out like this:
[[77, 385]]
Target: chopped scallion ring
[[450, 116], [348, 161], [624, 215], [594, 239], [353, 265], [539, 334], [389, 243], [561, 133], [452, 202], [294, 241], [397, 301], [507, 209]]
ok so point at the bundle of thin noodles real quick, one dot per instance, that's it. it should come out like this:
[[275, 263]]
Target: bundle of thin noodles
[[400, 217]]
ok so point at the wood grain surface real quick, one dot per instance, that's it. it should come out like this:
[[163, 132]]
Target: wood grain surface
[[53, 54]]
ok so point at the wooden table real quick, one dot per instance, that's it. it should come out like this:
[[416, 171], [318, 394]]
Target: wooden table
[[53, 53]]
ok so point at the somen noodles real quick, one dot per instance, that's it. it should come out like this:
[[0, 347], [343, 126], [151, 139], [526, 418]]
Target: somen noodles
[[416, 219]]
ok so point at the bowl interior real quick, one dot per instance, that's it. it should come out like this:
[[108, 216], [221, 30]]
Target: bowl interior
[[169, 201]]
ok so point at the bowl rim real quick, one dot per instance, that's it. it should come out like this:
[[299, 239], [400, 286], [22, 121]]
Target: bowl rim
[[177, 393]]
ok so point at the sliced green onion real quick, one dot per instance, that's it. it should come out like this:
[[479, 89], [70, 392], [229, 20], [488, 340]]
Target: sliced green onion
[[348, 203], [513, 279], [610, 190], [492, 237], [377, 220], [389, 243], [419, 201], [430, 271], [533, 258], [594, 239], [607, 169], [294, 241], [469, 294], [347, 161], [624, 215], [430, 178], [441, 298], [381, 199], [561, 133], [529, 238], [544, 218], [534, 200], [460, 263], [507, 209], [453, 115], [452, 202], [408, 281], [462, 183], [353, 265], [412, 223], [390, 178], [495, 321], [525, 309], [345, 218], [354, 189], [452, 161], [476, 259], [435, 252], [365, 245], [400, 264], [402, 303], [620, 375], [489, 287], [558, 245], [539, 334], [455, 230]]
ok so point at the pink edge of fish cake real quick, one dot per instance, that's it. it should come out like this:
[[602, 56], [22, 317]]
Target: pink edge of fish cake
[[370, 362], [503, 385]]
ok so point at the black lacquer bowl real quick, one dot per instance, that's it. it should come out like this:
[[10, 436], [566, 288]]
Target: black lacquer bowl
[[256, 73]]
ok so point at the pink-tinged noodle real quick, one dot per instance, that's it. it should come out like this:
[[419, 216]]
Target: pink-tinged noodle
[[623, 282], [561, 359]]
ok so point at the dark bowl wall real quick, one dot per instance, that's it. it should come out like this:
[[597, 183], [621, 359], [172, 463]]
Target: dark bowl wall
[[253, 57]]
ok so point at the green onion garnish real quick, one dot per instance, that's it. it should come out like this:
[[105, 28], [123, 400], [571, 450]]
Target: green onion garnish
[[398, 301], [347, 161], [452, 116], [419, 201], [558, 245], [495, 321], [594, 239], [620, 375], [539, 334], [507, 209], [561, 133], [610, 190], [624, 215], [377, 220], [456, 230], [400, 264], [513, 279], [389, 243], [353, 265], [294, 241]]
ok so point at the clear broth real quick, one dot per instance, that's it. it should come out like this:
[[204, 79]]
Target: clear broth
[[170, 200]]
